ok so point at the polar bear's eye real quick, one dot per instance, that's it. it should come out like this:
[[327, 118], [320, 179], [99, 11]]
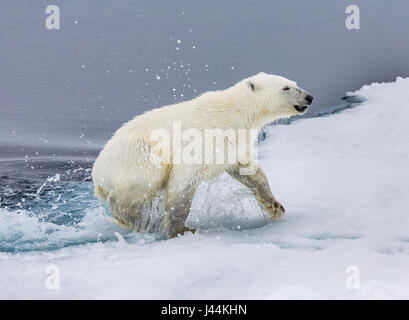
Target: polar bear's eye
[[251, 85], [286, 88]]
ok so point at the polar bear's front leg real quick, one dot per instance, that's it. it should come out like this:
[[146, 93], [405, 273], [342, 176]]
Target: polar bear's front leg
[[181, 188], [258, 184]]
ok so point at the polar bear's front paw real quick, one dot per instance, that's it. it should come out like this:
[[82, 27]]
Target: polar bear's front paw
[[179, 232], [186, 229], [274, 209]]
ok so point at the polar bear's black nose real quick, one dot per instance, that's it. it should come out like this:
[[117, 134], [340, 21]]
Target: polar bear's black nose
[[309, 98]]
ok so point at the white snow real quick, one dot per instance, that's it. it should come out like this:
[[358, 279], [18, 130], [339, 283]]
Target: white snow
[[344, 181]]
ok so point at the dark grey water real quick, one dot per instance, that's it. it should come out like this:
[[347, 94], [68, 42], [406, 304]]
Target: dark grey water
[[65, 91]]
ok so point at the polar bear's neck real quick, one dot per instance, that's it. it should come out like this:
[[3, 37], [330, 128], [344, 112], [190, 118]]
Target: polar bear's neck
[[228, 110]]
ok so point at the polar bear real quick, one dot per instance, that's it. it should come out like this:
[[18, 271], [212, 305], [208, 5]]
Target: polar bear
[[131, 171]]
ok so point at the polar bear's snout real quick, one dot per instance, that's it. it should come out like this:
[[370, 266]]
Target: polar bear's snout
[[309, 98], [302, 106]]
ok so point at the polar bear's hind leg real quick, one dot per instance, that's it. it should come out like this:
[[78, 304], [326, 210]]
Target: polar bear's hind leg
[[181, 188]]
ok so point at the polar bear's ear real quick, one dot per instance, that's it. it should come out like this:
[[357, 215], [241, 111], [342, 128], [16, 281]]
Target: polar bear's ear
[[251, 85]]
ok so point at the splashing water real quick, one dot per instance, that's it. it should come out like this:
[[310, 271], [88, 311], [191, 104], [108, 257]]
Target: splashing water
[[41, 210]]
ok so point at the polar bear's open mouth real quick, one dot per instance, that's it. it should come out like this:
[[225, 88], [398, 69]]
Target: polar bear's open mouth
[[300, 108]]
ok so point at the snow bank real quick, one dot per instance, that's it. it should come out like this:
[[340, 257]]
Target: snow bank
[[344, 181]]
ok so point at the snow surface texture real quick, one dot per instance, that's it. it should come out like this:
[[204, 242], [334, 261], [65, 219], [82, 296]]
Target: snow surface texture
[[344, 181]]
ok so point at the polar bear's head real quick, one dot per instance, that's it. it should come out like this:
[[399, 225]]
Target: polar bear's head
[[273, 96]]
